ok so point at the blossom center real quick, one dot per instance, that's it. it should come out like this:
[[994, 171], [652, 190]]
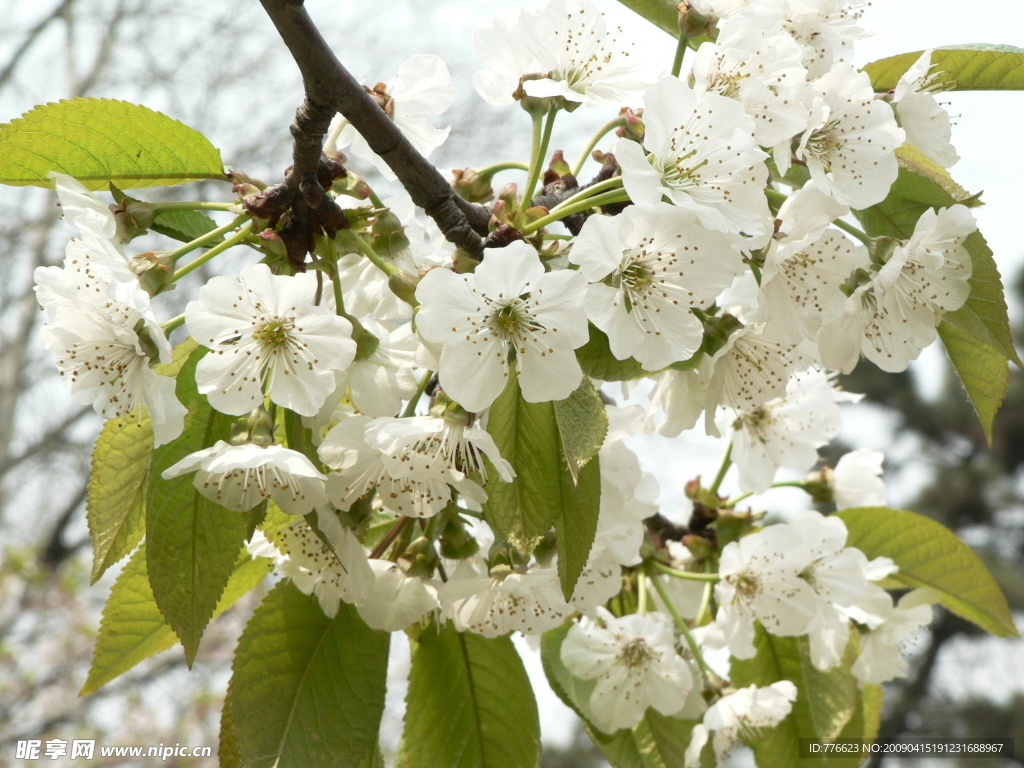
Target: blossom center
[[636, 653], [274, 333]]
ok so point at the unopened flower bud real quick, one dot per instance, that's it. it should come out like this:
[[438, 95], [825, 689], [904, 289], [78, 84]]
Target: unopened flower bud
[[387, 236], [456, 542], [403, 285], [634, 127], [693, 23], [558, 166], [154, 270], [471, 186], [881, 250]]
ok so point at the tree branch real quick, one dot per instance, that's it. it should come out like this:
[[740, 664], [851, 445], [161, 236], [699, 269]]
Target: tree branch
[[330, 88]]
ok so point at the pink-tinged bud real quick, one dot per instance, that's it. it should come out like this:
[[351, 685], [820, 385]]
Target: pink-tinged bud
[[634, 127], [273, 244], [558, 166]]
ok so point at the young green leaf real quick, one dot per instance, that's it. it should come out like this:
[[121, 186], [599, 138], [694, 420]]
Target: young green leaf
[[596, 359], [469, 705], [307, 691], [582, 426], [193, 543], [116, 505], [99, 141], [958, 68], [930, 555], [661, 13], [657, 741], [527, 436], [983, 371], [133, 629], [825, 704], [576, 524], [185, 225]]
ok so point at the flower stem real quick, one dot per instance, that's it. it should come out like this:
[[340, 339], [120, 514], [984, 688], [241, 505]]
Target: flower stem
[[705, 605], [603, 131], [410, 409], [216, 250], [332, 137], [510, 165], [726, 463], [364, 248], [641, 601], [709, 577], [592, 191], [194, 205], [389, 537], [173, 323], [852, 230], [607, 198], [677, 62], [541, 139], [685, 630]]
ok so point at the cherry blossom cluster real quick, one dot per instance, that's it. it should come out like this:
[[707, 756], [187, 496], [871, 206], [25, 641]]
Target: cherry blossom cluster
[[725, 265]]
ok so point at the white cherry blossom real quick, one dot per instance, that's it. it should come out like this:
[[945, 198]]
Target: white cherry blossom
[[703, 157], [763, 72], [661, 264], [849, 142], [740, 715], [508, 305], [336, 573], [569, 46], [265, 333], [784, 432], [894, 316], [856, 480], [760, 579], [420, 92], [239, 477], [825, 28], [503, 600], [635, 663], [103, 360], [920, 114], [396, 600]]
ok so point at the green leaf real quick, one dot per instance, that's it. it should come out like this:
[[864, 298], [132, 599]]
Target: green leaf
[[597, 361], [116, 504], [576, 525], [228, 755], [983, 371], [657, 741], [582, 426], [469, 705], [133, 629], [984, 316], [185, 225], [930, 555], [193, 543], [958, 67], [527, 436], [306, 690], [825, 704], [661, 13], [99, 141]]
